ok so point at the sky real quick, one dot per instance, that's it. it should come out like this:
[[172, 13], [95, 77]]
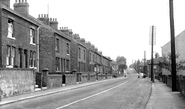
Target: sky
[[115, 27]]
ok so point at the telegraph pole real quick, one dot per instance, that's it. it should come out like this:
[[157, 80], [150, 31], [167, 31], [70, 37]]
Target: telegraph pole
[[173, 57], [144, 63], [152, 75]]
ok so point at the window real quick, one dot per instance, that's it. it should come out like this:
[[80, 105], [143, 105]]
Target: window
[[20, 57], [84, 54], [32, 36], [93, 57], [67, 65], [57, 64], [79, 53], [89, 56], [26, 58], [32, 59], [62, 65], [10, 56], [57, 45], [67, 44], [10, 29]]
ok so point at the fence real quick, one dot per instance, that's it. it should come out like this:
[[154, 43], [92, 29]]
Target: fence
[[180, 82]]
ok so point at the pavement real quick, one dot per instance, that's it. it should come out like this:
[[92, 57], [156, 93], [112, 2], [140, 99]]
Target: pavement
[[162, 97], [27, 96]]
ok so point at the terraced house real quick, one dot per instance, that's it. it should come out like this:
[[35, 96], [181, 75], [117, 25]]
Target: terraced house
[[18, 36], [54, 50], [79, 57]]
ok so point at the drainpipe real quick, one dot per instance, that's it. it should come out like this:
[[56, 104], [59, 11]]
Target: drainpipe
[[38, 49]]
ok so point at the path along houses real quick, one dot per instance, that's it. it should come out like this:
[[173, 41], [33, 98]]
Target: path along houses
[[29, 44]]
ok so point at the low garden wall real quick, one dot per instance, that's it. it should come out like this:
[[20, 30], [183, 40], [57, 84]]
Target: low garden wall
[[54, 81], [16, 81], [70, 79], [84, 78]]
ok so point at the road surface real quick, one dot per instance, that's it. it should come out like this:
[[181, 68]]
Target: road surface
[[119, 93]]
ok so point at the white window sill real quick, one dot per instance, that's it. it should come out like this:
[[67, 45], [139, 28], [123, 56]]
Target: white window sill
[[11, 38], [33, 67], [67, 54], [9, 66], [32, 43]]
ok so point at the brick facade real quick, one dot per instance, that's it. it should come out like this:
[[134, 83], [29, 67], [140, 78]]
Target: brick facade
[[54, 48], [20, 40]]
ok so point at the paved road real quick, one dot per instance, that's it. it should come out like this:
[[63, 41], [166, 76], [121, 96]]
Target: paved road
[[121, 93]]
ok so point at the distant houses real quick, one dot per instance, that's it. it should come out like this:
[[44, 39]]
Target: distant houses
[[29, 45]]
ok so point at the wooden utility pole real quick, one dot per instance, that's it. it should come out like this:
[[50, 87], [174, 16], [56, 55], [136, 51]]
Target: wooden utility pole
[[173, 57], [152, 75], [144, 68]]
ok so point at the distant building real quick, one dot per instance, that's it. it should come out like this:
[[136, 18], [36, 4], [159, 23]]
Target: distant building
[[179, 45]]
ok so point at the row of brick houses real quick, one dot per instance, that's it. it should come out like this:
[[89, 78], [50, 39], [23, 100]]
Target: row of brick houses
[[28, 42]]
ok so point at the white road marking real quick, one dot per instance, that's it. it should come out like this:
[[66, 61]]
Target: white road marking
[[90, 96]]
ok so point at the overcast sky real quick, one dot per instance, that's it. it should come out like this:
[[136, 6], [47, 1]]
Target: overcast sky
[[115, 27]]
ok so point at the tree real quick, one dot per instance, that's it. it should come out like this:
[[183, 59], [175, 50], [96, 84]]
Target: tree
[[156, 55], [121, 61], [166, 62]]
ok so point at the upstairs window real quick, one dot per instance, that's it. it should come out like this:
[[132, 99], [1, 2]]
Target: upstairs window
[[84, 55], [57, 45], [89, 56], [32, 36], [10, 29], [79, 53], [67, 46]]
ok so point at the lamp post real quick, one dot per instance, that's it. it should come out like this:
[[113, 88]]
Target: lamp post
[[173, 61]]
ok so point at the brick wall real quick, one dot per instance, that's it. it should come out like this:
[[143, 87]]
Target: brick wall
[[74, 56], [54, 81], [16, 81], [70, 79], [46, 48]]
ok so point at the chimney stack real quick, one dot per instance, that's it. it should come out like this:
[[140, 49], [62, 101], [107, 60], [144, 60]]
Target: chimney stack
[[53, 23], [82, 41], [44, 18], [88, 44], [66, 31], [6, 3], [22, 7], [76, 37]]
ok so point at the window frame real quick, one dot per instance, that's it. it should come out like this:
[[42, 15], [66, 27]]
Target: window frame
[[10, 56], [67, 49], [10, 34], [32, 59], [79, 52], [57, 66], [32, 35], [57, 45], [84, 54]]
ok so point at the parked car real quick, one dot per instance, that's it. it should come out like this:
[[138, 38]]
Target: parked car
[[140, 75]]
